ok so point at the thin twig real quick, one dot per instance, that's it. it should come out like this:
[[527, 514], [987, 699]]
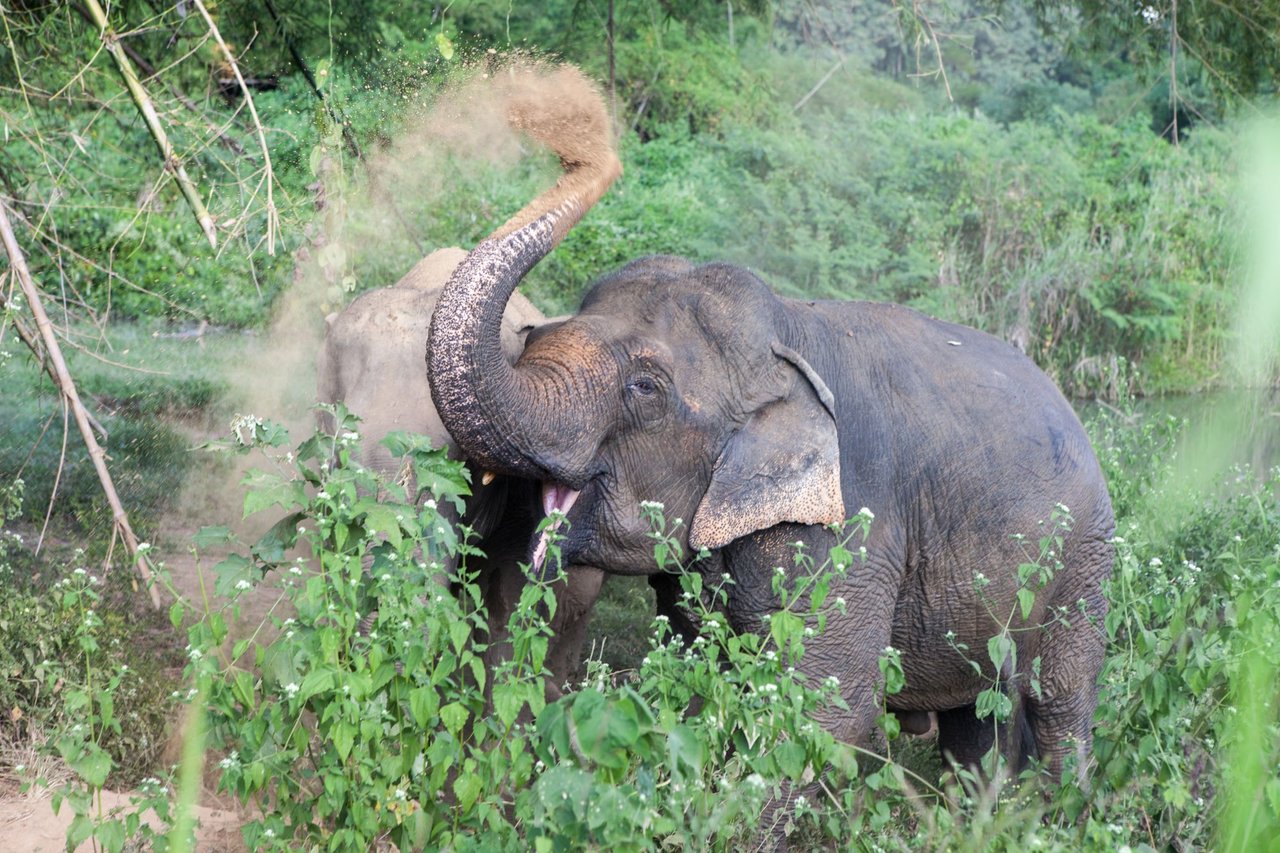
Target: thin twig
[[148, 110], [816, 86], [18, 263], [273, 216], [347, 135]]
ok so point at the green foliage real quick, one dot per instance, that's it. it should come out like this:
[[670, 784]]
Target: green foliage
[[409, 738], [148, 462], [1234, 44], [74, 674]]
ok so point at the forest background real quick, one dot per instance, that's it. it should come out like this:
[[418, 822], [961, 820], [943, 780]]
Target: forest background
[[1078, 178]]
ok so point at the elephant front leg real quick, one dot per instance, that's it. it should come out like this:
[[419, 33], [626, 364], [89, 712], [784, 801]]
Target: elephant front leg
[[858, 611]]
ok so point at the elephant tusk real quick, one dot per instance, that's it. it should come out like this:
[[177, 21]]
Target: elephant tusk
[[487, 477]]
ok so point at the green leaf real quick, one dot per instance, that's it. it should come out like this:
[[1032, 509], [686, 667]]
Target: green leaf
[[684, 752], [467, 787], [424, 703], [993, 701], [380, 518], [1000, 649], [232, 574], [110, 834], [1026, 600], [316, 681], [93, 765], [786, 627], [208, 537], [282, 536], [508, 699], [791, 759], [344, 737], [324, 70], [176, 612], [444, 45], [454, 716], [266, 489]]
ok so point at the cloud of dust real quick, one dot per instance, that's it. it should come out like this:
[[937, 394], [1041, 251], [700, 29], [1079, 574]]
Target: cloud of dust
[[368, 231]]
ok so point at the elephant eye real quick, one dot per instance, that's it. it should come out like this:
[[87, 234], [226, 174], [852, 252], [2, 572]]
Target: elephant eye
[[642, 386]]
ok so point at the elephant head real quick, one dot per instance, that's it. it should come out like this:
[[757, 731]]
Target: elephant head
[[371, 357], [672, 384]]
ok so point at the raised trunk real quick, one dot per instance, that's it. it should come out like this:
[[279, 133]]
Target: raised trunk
[[522, 420]]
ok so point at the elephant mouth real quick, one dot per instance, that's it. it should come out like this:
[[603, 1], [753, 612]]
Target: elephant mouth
[[555, 497]]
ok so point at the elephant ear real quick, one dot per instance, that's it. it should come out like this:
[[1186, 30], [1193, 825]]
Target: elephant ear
[[782, 465]]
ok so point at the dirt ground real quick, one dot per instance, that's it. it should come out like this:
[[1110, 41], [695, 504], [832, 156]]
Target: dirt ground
[[27, 820], [28, 824]]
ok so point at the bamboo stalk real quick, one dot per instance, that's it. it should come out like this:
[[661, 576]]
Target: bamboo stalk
[[148, 110], [273, 217], [18, 263]]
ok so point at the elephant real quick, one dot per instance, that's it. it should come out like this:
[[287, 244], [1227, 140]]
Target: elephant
[[371, 360], [762, 421]]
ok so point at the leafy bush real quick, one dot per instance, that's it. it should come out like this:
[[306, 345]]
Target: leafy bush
[[370, 715]]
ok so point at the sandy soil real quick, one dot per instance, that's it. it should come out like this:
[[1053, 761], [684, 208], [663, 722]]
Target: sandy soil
[[28, 824]]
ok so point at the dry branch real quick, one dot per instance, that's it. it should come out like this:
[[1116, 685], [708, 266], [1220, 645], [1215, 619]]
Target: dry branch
[[273, 217], [152, 118], [18, 264]]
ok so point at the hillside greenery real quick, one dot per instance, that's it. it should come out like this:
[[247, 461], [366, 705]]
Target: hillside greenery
[[1072, 176]]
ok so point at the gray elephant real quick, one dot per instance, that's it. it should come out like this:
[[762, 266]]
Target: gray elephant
[[371, 360], [761, 421]]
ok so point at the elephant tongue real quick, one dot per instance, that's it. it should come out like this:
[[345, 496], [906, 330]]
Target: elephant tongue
[[555, 496]]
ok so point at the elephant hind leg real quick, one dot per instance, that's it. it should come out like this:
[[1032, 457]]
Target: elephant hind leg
[[1072, 650]]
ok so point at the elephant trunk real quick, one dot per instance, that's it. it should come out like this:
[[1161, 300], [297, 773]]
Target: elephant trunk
[[523, 420]]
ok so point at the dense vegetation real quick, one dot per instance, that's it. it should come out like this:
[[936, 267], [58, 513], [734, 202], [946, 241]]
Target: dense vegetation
[[1061, 188]]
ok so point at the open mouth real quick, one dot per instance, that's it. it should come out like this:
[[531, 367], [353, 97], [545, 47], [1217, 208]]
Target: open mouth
[[555, 497]]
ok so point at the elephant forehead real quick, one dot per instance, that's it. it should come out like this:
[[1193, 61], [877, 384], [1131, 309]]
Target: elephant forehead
[[572, 346]]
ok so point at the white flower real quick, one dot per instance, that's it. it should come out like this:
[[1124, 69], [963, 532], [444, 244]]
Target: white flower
[[291, 690], [243, 584], [866, 513], [1150, 15], [322, 495], [656, 506], [1155, 563]]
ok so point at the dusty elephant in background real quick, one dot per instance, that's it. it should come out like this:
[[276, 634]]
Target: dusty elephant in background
[[761, 421], [371, 360]]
